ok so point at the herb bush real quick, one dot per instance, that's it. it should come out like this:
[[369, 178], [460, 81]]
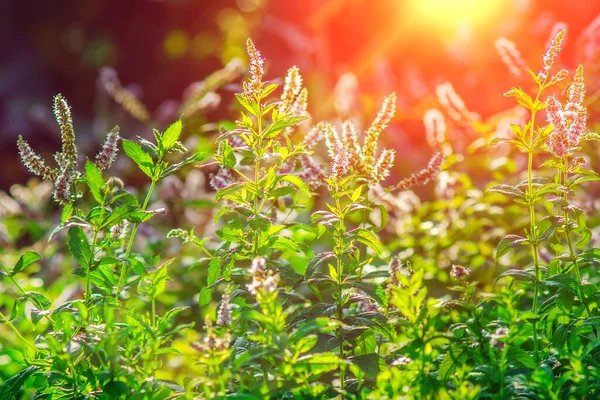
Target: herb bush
[[307, 274]]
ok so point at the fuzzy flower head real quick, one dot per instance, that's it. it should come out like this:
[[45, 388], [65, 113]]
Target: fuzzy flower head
[[224, 313], [459, 272], [385, 115], [119, 231], [551, 54], [33, 162], [62, 113], [62, 187], [212, 343], [510, 56], [291, 89], [263, 281], [435, 130], [124, 97], [253, 87], [340, 164], [569, 122], [424, 176], [109, 151], [383, 166], [311, 173], [454, 104], [222, 179]]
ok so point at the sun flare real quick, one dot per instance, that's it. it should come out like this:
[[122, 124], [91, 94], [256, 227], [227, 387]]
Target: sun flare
[[450, 14]]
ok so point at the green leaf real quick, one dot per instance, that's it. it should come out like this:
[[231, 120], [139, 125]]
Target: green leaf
[[171, 135], [37, 299], [78, 246], [94, 180], [119, 214], [12, 385], [154, 283], [24, 261], [228, 156], [214, 270], [205, 296], [372, 290], [296, 181], [508, 242], [453, 358], [67, 212], [369, 239], [139, 156], [510, 191]]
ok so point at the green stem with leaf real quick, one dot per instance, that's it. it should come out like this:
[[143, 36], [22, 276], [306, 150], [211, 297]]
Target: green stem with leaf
[[122, 279]]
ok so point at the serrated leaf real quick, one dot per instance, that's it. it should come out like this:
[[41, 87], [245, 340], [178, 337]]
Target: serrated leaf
[[205, 296], [139, 156], [507, 243], [171, 135], [11, 387], [24, 261], [94, 180], [369, 239], [78, 246], [296, 181]]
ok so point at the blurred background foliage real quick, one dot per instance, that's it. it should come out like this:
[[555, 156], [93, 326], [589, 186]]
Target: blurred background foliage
[[159, 47]]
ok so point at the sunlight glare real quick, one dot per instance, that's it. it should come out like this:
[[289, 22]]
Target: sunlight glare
[[452, 14]]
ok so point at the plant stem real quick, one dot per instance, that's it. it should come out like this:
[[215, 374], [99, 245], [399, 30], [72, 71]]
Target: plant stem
[[565, 178], [533, 223], [339, 251], [16, 331], [88, 285], [153, 312], [131, 240]]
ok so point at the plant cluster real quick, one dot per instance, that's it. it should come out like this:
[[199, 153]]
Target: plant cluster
[[317, 278]]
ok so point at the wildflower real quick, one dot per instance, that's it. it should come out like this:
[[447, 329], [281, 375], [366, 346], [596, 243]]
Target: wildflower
[[345, 94], [291, 89], [263, 280], [224, 313], [125, 98], [33, 162], [365, 304], [222, 179], [118, 231], [424, 176], [212, 342], [453, 104], [201, 95], [300, 105], [510, 56], [340, 163], [311, 173], [332, 140], [383, 166], [551, 54], [313, 136], [569, 122], [350, 141], [500, 333], [107, 155], [402, 360], [387, 112], [8, 206], [253, 86], [62, 113], [435, 130], [459, 272], [62, 187]]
